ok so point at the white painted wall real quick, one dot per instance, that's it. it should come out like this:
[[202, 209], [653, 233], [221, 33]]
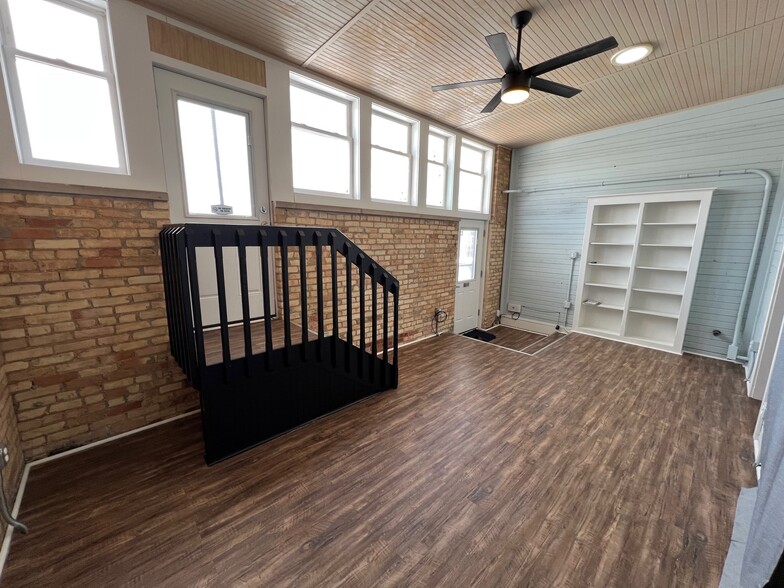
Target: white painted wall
[[746, 132], [135, 62]]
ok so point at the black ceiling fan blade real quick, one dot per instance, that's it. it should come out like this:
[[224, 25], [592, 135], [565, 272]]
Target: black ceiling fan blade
[[465, 84], [493, 104], [504, 52], [554, 88], [573, 56]]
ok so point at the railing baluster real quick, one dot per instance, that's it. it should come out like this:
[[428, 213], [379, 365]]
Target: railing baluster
[[374, 329], [242, 259], [303, 287], [198, 326], [265, 292], [335, 333], [284, 268], [395, 327], [349, 316], [385, 278], [361, 350], [319, 293], [222, 311]]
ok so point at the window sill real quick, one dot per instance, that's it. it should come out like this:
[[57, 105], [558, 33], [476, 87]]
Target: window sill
[[8, 185], [365, 206]]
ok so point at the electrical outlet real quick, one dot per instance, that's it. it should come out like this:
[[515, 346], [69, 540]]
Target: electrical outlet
[[567, 305], [498, 313], [514, 307], [574, 255]]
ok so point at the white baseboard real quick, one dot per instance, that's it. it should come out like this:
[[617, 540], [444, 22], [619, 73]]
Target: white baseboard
[[9, 531], [533, 326]]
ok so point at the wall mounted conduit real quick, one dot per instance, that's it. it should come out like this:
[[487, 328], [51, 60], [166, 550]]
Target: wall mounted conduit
[[732, 351]]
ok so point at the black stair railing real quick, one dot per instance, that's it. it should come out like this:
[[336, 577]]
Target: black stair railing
[[254, 396]]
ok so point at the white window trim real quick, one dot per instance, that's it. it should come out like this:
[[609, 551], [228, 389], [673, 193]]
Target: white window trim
[[486, 175], [10, 52], [448, 165], [352, 104], [411, 153]]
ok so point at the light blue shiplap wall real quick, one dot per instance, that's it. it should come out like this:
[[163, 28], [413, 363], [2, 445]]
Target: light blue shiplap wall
[[746, 132]]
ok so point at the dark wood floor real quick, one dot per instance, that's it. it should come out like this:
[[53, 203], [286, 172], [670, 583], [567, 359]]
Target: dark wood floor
[[592, 463], [213, 350], [524, 341]]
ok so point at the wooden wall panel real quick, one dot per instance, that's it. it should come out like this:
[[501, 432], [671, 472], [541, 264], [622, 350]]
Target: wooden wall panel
[[185, 46]]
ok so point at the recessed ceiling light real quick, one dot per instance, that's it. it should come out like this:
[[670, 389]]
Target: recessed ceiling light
[[632, 54]]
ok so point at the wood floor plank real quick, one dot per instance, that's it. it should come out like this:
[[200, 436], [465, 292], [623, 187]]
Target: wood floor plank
[[593, 463]]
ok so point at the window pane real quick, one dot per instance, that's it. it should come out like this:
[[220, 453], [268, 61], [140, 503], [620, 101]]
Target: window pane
[[436, 184], [57, 32], [471, 192], [389, 133], [215, 158], [436, 148], [321, 163], [390, 176], [319, 112], [471, 160], [466, 268], [69, 115], [199, 164], [232, 135]]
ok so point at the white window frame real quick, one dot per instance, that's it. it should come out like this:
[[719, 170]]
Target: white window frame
[[352, 107], [98, 10], [411, 153], [486, 175], [448, 165]]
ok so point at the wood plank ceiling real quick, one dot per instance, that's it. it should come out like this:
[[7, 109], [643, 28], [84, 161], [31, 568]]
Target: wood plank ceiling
[[704, 51]]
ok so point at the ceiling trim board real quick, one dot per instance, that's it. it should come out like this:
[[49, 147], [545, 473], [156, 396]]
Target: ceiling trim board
[[341, 31]]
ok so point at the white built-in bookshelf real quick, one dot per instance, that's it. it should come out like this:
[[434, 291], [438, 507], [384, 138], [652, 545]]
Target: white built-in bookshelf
[[639, 265]]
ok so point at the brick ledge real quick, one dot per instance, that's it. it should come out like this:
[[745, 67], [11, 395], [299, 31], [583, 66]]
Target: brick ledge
[[77, 190]]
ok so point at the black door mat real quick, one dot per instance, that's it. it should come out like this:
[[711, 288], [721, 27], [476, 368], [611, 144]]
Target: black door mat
[[479, 334]]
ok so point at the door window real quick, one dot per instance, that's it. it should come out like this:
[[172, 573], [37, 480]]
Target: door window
[[466, 268], [215, 158]]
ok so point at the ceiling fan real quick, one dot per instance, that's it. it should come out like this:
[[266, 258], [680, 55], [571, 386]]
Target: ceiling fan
[[517, 82]]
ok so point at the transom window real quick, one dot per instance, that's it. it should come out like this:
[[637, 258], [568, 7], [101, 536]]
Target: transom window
[[61, 84], [322, 138], [391, 156], [475, 171], [440, 146]]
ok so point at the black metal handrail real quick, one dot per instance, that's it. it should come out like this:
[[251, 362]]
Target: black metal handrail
[[317, 350]]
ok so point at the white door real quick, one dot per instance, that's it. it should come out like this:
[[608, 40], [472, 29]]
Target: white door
[[216, 172], [468, 291]]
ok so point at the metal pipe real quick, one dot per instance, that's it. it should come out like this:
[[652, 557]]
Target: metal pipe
[[6, 514], [732, 351]]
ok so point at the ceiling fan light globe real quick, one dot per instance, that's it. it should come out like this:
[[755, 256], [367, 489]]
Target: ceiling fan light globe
[[515, 96]]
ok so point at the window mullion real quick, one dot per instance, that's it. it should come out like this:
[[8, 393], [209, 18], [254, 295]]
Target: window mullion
[[61, 63]]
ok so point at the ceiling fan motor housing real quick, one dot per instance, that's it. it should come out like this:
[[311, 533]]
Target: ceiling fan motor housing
[[515, 81]]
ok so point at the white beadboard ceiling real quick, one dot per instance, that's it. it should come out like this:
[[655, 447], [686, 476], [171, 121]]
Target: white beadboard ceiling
[[704, 51]]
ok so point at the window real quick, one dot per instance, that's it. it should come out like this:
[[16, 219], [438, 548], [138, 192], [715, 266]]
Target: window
[[215, 159], [466, 255], [60, 77], [392, 139], [440, 146], [475, 170], [322, 138]]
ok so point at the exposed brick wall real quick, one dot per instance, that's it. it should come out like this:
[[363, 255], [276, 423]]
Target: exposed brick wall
[[420, 252], [82, 319], [496, 235], [9, 433]]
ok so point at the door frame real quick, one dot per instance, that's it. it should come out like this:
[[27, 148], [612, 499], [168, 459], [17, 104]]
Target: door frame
[[481, 262], [169, 86]]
